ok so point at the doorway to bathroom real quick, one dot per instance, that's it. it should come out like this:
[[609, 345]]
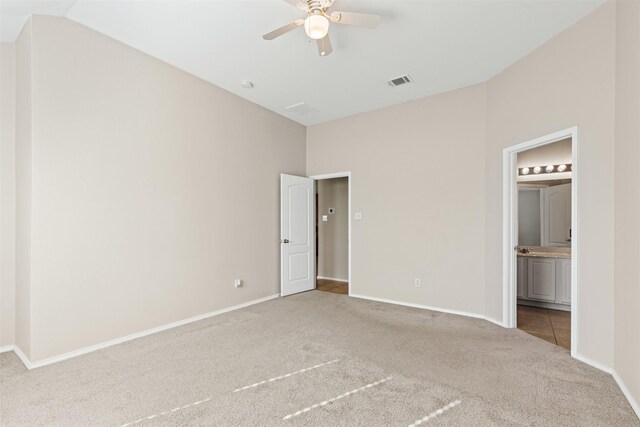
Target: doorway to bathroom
[[540, 233]]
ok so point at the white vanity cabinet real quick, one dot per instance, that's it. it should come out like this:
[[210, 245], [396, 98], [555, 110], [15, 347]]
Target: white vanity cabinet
[[541, 279], [563, 281], [544, 281]]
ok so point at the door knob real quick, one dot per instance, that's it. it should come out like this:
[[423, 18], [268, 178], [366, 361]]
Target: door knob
[[285, 241]]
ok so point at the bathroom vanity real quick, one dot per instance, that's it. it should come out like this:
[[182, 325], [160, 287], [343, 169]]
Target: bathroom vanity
[[544, 277]]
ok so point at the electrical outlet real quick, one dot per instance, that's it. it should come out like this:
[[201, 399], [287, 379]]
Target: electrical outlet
[[237, 283], [417, 283]]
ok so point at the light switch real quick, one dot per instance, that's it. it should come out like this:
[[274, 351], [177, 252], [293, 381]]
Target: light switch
[[332, 211], [357, 216], [325, 218]]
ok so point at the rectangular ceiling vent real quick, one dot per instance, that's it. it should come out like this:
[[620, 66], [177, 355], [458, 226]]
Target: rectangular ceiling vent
[[399, 81], [301, 108]]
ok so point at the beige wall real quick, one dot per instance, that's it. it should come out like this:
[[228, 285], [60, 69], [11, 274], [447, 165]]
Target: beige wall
[[152, 191], [7, 192], [420, 194], [333, 235], [416, 223], [550, 154], [568, 81], [627, 199], [23, 168]]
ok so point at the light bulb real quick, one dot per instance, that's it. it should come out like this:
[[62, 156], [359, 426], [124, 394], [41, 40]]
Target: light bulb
[[562, 168], [537, 169], [316, 26], [549, 169], [525, 171]]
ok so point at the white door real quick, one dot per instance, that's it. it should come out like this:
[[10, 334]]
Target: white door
[[556, 203], [297, 265]]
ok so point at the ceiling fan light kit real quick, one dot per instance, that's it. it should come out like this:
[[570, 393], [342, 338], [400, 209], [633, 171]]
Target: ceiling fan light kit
[[316, 24]]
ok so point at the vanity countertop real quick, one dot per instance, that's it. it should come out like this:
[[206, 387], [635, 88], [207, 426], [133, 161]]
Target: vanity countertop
[[544, 252]]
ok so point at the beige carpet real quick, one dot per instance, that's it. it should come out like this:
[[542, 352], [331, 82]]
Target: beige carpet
[[351, 362]]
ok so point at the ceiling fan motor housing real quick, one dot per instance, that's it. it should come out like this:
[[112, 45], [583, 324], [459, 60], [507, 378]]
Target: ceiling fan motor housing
[[316, 24]]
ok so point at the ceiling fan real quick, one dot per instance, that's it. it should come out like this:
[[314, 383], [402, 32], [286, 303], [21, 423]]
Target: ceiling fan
[[316, 24]]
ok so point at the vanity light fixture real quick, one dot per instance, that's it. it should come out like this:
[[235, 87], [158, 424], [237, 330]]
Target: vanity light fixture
[[544, 170]]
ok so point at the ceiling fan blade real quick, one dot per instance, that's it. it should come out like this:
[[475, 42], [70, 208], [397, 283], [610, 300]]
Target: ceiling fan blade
[[299, 4], [357, 19], [324, 46], [284, 29]]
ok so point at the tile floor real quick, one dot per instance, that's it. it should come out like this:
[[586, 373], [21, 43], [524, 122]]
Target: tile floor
[[332, 286], [553, 326]]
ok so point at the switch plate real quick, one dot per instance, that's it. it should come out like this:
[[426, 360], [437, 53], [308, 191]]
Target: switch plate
[[325, 218], [357, 216], [332, 211], [237, 283]]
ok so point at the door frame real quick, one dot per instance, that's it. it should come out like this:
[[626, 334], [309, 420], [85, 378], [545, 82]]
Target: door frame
[[347, 175], [510, 227]]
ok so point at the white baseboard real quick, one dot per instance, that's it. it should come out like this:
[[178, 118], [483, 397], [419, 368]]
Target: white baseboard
[[48, 361], [6, 348], [634, 405], [593, 363], [334, 279], [495, 321], [427, 307], [23, 358]]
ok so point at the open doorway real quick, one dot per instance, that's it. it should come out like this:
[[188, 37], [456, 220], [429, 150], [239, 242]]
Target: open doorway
[[544, 242], [332, 234], [540, 235]]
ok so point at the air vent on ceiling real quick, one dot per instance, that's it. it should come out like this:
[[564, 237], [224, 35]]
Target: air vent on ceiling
[[301, 108], [399, 81]]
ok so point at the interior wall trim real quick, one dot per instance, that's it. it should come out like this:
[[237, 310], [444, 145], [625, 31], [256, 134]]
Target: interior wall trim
[[6, 348], [579, 357], [23, 357], [593, 363], [333, 279], [634, 405], [54, 359], [427, 307]]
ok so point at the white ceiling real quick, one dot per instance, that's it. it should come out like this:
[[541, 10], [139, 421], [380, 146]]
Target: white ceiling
[[443, 45]]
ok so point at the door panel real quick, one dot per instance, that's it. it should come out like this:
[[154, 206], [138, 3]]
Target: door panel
[[557, 215], [297, 270], [299, 201], [298, 267], [542, 279], [563, 292]]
